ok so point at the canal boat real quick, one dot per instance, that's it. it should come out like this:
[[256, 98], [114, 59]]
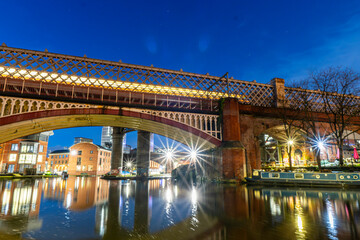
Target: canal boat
[[339, 179]]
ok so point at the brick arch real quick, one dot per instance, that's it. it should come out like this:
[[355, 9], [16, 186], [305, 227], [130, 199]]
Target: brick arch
[[15, 126]]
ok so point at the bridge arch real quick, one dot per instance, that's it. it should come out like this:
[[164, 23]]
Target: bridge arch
[[19, 125]]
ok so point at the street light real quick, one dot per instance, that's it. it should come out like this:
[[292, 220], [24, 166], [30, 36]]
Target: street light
[[128, 164], [169, 154], [320, 144], [193, 155], [290, 143]]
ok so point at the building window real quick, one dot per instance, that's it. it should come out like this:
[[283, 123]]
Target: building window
[[62, 162], [51, 163], [79, 152], [40, 158], [78, 162], [100, 153], [65, 161], [84, 167], [12, 157], [90, 167], [67, 155], [91, 151], [78, 168], [14, 147], [90, 158], [52, 157], [100, 161], [41, 148]]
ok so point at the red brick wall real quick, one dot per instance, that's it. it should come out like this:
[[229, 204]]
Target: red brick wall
[[90, 162], [6, 151]]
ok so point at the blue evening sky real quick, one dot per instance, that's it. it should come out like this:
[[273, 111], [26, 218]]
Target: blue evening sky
[[249, 39]]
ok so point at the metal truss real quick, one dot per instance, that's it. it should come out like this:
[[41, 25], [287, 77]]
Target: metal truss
[[83, 71], [206, 123], [311, 100], [47, 75], [10, 106]]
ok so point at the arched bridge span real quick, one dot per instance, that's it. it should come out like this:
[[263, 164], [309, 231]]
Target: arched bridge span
[[21, 117]]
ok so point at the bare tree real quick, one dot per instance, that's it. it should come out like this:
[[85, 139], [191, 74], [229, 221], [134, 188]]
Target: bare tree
[[338, 89], [309, 121], [291, 133]]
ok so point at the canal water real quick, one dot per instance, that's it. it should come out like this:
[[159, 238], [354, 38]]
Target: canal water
[[91, 208]]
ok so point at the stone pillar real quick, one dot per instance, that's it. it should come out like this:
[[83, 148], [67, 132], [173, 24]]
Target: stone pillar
[[143, 154], [279, 92], [233, 153], [117, 148]]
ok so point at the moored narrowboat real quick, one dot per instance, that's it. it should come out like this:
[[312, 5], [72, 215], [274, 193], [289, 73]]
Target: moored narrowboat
[[340, 179]]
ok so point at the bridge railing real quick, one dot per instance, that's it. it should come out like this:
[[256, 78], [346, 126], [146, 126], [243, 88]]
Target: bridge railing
[[313, 100], [83, 71]]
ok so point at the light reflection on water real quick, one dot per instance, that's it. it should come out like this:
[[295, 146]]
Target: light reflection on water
[[91, 208]]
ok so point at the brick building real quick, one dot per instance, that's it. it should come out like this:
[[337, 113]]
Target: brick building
[[89, 158], [26, 152], [58, 160]]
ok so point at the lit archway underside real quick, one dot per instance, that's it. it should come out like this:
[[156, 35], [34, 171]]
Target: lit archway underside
[[16, 126]]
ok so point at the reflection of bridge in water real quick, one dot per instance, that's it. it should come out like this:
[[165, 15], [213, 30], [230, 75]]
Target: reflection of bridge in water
[[160, 210], [154, 209]]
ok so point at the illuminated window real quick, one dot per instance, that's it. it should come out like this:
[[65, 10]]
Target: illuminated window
[[84, 167], [23, 148], [40, 158], [12, 157], [90, 167], [14, 147]]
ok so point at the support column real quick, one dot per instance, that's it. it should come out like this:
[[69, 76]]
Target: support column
[[233, 152], [117, 149], [279, 92], [143, 154]]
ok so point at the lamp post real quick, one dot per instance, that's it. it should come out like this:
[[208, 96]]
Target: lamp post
[[129, 165], [290, 143]]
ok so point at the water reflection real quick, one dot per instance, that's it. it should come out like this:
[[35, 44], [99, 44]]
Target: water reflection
[[309, 213], [19, 204], [91, 208]]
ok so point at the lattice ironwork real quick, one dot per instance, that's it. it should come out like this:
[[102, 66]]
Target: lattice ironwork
[[206, 123], [311, 100], [11, 106], [82, 71]]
